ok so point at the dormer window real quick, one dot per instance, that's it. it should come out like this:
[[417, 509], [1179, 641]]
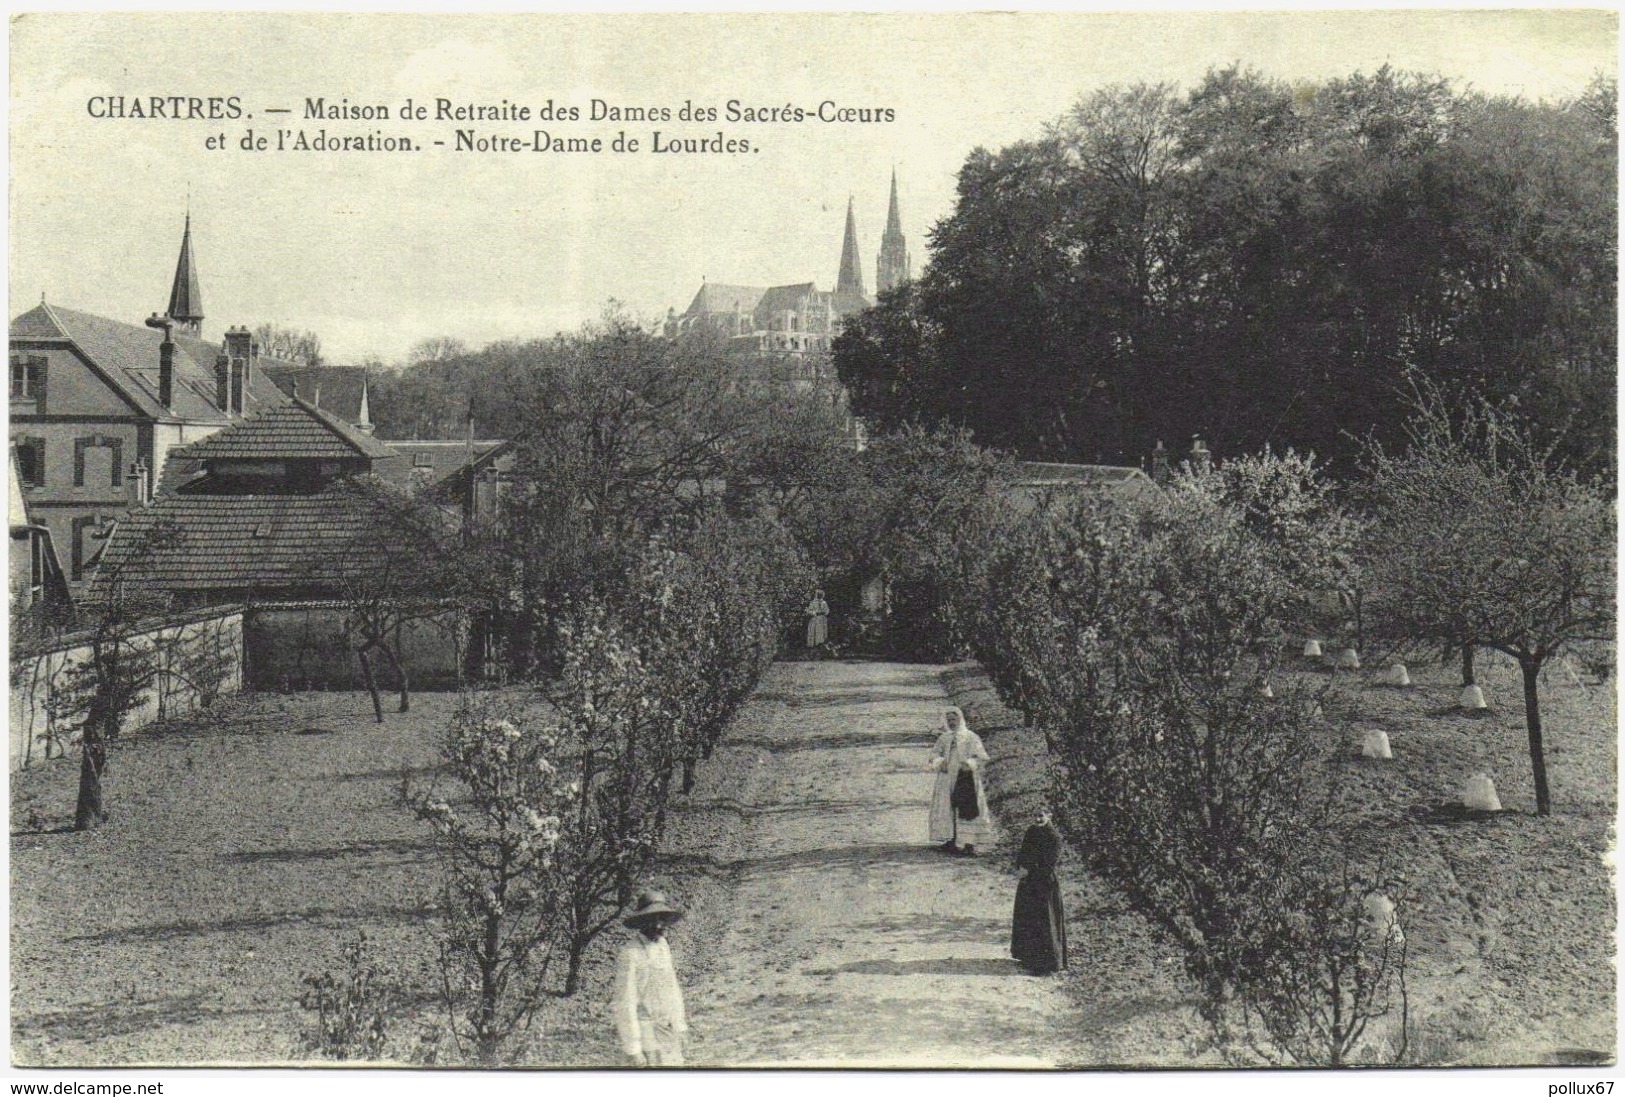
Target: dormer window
[[262, 530]]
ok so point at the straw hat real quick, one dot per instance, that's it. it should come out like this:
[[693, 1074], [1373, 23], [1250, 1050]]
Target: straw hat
[[647, 905]]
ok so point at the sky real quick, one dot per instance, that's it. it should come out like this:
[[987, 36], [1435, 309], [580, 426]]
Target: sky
[[376, 251]]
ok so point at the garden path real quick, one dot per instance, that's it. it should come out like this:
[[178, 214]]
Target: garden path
[[853, 942]]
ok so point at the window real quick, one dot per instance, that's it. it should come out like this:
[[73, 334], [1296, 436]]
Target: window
[[422, 461], [27, 377], [93, 455], [30, 461]]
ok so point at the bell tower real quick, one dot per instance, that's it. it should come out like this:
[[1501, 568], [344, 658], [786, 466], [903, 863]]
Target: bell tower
[[892, 268]]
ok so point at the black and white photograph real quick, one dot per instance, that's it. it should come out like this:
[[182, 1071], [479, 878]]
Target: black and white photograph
[[1062, 542]]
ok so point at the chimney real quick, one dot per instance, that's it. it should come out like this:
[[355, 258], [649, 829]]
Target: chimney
[[239, 354], [222, 383], [166, 361], [1201, 458], [140, 482], [1159, 464]]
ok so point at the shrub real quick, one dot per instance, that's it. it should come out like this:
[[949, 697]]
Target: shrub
[[351, 1008]]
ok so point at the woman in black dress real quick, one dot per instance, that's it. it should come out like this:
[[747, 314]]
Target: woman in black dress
[[1038, 930]]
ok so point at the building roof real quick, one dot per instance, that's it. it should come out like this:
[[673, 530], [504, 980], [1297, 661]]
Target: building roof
[[127, 355], [779, 298], [1120, 480], [289, 431], [719, 297], [240, 541], [341, 390], [442, 458]]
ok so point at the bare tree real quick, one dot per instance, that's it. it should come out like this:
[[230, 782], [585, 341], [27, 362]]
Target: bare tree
[[395, 570], [290, 344]]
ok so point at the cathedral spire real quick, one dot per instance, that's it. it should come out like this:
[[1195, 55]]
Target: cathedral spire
[[185, 300], [850, 280], [892, 268]]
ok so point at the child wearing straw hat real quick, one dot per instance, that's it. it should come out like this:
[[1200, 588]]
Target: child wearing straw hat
[[648, 1005]]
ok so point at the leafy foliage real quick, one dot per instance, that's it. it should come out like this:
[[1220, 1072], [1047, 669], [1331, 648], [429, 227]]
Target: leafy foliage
[[1482, 538], [1097, 287], [1138, 638]]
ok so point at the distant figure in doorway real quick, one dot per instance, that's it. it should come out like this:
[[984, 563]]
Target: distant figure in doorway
[[1038, 930], [817, 621], [959, 817], [648, 1005]]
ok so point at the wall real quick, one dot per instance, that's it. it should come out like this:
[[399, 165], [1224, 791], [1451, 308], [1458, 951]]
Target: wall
[[304, 646], [200, 655]]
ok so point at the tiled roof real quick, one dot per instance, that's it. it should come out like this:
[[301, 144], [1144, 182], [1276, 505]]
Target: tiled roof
[[442, 459], [778, 298], [337, 389], [240, 541], [128, 354], [286, 431]]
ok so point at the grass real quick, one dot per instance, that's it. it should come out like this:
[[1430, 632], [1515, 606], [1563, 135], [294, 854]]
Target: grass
[[250, 843], [1510, 918]]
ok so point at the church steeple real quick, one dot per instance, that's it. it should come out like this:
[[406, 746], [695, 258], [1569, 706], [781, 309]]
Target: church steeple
[[892, 268], [850, 280], [185, 299]]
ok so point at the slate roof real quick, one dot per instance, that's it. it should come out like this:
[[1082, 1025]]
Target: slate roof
[[287, 431], [337, 389], [778, 298], [260, 542], [185, 299], [128, 355], [721, 297], [443, 459]]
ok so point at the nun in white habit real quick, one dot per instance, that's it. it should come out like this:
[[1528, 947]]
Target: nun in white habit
[[958, 823]]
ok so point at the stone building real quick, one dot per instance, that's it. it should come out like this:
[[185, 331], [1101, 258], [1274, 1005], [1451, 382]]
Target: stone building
[[798, 319]]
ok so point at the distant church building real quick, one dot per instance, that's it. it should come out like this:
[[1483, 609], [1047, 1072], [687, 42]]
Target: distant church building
[[798, 319], [892, 268]]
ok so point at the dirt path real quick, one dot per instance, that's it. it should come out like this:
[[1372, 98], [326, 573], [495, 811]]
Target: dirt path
[[852, 942]]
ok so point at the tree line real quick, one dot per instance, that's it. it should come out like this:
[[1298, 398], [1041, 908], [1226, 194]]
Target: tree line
[[1262, 262]]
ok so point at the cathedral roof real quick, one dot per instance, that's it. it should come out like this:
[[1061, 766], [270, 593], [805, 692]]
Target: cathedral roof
[[779, 298], [715, 297]]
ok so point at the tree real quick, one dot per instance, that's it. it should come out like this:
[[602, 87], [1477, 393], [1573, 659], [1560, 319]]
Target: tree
[[1096, 286], [497, 834], [397, 568], [290, 344], [1481, 538], [116, 677], [1135, 638]]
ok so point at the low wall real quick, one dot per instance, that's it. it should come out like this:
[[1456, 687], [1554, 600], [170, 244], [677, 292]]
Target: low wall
[[306, 646], [200, 658]]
